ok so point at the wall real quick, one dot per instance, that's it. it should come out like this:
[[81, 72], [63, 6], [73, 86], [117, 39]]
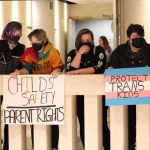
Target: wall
[[135, 11], [53, 20], [15, 11], [37, 14], [29, 13], [71, 36], [42, 17], [60, 27], [91, 11]]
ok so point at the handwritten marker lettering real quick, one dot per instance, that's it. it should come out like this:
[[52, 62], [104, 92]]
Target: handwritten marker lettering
[[37, 99]]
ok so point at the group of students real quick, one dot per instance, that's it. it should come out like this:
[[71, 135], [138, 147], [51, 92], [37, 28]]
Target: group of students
[[86, 58]]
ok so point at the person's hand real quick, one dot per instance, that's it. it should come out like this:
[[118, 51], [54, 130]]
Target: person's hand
[[73, 72], [15, 74], [110, 68], [84, 49], [55, 74]]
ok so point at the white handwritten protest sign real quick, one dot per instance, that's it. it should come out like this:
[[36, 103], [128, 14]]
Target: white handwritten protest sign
[[33, 99], [128, 86]]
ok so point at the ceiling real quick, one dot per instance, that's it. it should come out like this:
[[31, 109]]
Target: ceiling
[[90, 1]]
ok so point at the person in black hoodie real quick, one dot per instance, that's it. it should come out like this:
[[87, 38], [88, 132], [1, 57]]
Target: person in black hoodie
[[88, 59], [10, 52], [134, 53]]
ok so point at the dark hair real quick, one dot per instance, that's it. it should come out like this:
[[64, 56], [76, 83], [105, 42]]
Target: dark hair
[[135, 28], [11, 27], [79, 36], [40, 34]]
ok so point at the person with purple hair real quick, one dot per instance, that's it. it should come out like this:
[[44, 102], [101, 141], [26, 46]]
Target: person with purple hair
[[10, 52]]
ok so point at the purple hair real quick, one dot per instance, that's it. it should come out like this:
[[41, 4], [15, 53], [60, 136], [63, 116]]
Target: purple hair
[[11, 27]]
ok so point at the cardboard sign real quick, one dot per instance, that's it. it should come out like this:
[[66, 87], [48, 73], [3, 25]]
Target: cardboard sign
[[129, 86], [33, 99]]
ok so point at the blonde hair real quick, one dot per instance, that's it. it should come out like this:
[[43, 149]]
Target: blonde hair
[[40, 34]]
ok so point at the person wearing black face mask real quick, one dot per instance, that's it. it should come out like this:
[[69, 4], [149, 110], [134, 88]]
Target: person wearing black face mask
[[41, 58], [134, 53], [37, 46], [10, 52], [90, 44], [13, 39], [87, 59], [86, 56]]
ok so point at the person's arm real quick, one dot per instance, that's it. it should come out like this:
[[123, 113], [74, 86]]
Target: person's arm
[[22, 71], [26, 65], [77, 59], [56, 72], [99, 63], [70, 56], [89, 70], [100, 60]]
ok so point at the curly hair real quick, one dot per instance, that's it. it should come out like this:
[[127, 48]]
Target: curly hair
[[139, 29]]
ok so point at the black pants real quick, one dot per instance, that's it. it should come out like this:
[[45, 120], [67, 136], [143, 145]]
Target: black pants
[[106, 131], [80, 114], [132, 124], [55, 136], [6, 138]]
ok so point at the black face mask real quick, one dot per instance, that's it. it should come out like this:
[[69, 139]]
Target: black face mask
[[138, 42], [37, 46], [90, 44], [86, 57], [14, 39]]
